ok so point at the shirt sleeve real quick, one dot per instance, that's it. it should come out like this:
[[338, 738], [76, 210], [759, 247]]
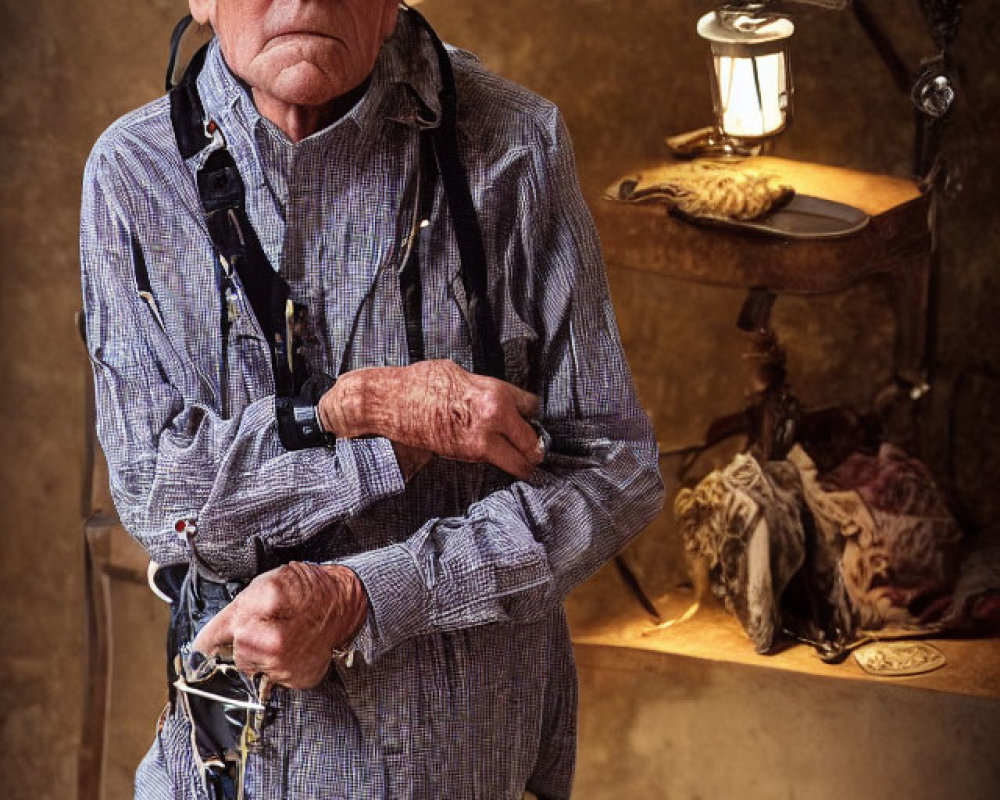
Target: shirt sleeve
[[172, 457], [517, 553]]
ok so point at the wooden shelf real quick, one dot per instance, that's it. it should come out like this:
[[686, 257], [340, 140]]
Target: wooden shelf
[[973, 667]]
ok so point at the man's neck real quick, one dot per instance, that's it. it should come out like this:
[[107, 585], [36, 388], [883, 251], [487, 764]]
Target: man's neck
[[299, 122]]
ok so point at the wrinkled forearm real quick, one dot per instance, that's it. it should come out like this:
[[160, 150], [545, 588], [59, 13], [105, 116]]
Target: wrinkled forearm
[[438, 407]]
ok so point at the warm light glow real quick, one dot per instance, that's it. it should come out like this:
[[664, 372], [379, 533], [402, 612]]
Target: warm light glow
[[752, 82], [753, 95]]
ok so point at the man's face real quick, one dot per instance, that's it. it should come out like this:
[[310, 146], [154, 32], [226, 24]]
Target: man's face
[[299, 52]]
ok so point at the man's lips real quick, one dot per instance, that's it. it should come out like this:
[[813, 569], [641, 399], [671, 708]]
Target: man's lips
[[291, 37]]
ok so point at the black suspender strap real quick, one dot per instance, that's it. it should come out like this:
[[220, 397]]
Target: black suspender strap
[[410, 288], [223, 199], [486, 349]]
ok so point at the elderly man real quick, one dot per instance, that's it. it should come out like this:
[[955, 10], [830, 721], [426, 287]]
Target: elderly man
[[386, 561]]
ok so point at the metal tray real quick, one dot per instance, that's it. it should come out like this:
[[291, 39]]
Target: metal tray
[[802, 217]]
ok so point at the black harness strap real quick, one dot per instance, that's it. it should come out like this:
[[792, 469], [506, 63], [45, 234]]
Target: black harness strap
[[410, 288], [223, 198], [486, 349]]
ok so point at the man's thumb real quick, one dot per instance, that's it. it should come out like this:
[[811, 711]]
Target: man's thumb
[[528, 404], [217, 635]]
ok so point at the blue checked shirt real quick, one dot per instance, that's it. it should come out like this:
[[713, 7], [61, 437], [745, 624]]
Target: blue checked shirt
[[464, 684]]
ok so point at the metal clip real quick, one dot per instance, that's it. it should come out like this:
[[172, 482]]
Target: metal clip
[[290, 335], [214, 133], [232, 304]]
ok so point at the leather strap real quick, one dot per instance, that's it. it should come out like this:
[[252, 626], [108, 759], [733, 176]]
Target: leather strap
[[486, 349]]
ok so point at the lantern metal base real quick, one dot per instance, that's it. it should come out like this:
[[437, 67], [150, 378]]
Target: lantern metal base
[[710, 142]]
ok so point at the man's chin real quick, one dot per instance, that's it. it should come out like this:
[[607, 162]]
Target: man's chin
[[302, 83]]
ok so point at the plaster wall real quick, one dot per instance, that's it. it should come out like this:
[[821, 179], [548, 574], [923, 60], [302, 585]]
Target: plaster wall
[[689, 729], [625, 74]]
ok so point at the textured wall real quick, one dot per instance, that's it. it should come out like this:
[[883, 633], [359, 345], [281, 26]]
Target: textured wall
[[626, 72], [674, 728], [68, 69]]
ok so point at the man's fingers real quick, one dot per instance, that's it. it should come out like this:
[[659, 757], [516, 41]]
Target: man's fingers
[[528, 404], [504, 455], [523, 437], [217, 634]]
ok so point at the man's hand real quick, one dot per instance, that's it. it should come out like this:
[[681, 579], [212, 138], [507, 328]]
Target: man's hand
[[439, 407], [288, 621], [410, 459]]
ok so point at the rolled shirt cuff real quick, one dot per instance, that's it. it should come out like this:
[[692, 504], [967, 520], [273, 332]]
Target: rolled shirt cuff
[[398, 600], [338, 483], [376, 465]]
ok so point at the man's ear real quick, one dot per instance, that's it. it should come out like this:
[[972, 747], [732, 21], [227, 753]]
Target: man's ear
[[202, 10], [389, 15]]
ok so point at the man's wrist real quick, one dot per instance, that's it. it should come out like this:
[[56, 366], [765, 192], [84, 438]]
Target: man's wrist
[[362, 403], [353, 611], [341, 411]]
